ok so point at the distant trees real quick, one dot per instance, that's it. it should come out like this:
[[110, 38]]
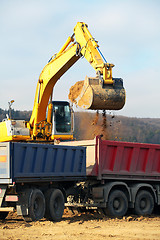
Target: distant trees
[[2, 114], [16, 114], [120, 128], [138, 130]]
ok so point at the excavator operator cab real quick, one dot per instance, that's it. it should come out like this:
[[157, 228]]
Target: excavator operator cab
[[62, 120]]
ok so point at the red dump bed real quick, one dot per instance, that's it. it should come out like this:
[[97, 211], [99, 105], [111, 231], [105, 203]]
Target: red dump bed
[[121, 160], [126, 160]]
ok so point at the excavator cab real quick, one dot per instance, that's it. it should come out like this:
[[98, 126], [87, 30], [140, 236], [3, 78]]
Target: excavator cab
[[62, 121]]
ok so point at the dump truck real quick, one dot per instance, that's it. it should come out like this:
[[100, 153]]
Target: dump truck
[[39, 180], [34, 178]]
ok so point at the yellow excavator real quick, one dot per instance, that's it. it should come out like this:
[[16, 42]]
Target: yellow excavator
[[52, 120]]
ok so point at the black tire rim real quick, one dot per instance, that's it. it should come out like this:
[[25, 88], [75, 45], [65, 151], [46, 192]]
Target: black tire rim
[[38, 206], [143, 203], [118, 204]]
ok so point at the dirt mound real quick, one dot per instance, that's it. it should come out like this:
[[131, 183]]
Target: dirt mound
[[75, 91]]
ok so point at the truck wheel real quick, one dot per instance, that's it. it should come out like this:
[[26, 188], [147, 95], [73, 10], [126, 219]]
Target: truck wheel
[[36, 208], [54, 204], [117, 205], [3, 215], [144, 203]]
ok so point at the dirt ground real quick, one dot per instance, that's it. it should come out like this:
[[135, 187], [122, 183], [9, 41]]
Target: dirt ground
[[86, 226]]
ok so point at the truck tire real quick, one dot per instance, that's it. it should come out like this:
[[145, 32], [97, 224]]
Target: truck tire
[[54, 204], [36, 208], [117, 205], [144, 203], [3, 215]]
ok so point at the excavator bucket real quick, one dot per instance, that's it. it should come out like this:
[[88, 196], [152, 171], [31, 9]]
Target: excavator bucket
[[92, 94]]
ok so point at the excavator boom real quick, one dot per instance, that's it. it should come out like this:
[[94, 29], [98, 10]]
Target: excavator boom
[[97, 93]]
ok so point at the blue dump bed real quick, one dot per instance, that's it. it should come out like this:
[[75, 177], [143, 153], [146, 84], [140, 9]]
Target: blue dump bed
[[27, 162]]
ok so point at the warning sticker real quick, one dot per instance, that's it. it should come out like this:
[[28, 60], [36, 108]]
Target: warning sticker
[[3, 158]]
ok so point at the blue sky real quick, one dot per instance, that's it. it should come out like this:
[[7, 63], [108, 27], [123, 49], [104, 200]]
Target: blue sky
[[128, 32]]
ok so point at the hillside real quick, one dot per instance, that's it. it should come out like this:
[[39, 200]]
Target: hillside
[[88, 125], [145, 130], [15, 114]]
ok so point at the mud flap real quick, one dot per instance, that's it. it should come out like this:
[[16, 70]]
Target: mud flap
[[23, 202], [2, 193]]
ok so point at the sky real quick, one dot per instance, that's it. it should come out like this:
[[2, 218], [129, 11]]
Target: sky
[[127, 31]]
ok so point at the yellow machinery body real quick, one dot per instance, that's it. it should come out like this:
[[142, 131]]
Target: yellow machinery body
[[13, 130], [80, 44]]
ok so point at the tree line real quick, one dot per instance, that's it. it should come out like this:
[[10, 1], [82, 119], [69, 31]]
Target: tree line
[[88, 125]]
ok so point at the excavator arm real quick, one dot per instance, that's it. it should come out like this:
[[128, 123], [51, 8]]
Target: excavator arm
[[90, 50], [81, 43], [97, 93], [47, 80]]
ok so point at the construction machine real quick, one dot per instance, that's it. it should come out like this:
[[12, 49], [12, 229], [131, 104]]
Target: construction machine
[[52, 120]]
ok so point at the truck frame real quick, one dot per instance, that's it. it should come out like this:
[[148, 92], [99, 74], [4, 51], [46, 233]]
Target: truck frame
[[41, 179]]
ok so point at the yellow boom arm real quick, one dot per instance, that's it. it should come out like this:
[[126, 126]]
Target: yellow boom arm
[[81, 43]]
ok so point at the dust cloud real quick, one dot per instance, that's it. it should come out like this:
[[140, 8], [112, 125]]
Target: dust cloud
[[90, 124], [75, 91]]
